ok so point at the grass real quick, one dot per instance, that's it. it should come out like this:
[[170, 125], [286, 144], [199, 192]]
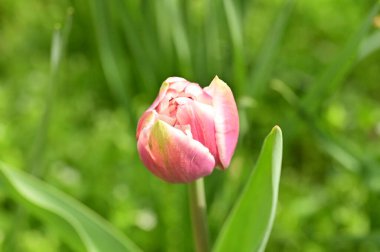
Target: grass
[[291, 63]]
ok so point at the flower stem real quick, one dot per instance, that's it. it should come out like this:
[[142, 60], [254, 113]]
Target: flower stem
[[198, 215]]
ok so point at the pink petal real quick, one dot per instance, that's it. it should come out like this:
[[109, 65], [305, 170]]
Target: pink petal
[[167, 119], [204, 98], [226, 119], [193, 90], [146, 120], [173, 156], [169, 88], [176, 83], [200, 117], [182, 100], [163, 90], [146, 155], [174, 79]]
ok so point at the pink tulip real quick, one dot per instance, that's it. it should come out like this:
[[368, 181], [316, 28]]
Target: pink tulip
[[188, 131]]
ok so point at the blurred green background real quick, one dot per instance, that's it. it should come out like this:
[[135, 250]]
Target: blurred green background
[[76, 75]]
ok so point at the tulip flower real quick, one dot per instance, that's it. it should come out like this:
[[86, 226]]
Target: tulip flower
[[188, 131]]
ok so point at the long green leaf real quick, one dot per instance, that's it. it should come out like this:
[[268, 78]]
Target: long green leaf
[[64, 213], [249, 225]]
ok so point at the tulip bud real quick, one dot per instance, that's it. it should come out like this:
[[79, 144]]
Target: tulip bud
[[188, 131]]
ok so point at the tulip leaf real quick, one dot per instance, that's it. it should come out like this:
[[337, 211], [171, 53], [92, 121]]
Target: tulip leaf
[[248, 226], [82, 228]]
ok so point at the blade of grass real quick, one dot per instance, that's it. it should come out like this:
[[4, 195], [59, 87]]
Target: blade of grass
[[236, 34], [35, 156], [116, 68], [332, 77], [195, 23], [163, 23], [212, 40], [249, 225], [136, 44], [332, 145], [369, 45], [179, 37], [59, 40], [260, 74], [142, 42]]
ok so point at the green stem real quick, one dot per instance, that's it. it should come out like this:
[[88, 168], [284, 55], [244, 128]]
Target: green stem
[[199, 215]]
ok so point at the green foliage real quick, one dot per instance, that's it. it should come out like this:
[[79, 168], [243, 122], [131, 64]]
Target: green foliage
[[83, 228], [332, 76], [250, 222], [73, 85]]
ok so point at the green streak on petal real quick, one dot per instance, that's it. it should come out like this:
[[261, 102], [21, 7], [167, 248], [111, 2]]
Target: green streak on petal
[[160, 138], [164, 86]]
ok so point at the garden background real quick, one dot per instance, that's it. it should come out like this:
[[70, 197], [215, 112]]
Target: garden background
[[76, 75]]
